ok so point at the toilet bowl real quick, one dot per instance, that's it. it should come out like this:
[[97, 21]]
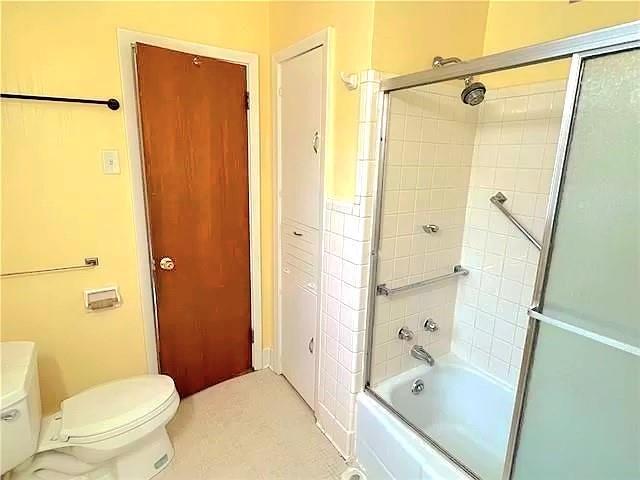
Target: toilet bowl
[[114, 431]]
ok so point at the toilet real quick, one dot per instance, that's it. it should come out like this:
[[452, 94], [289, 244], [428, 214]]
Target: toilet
[[114, 431]]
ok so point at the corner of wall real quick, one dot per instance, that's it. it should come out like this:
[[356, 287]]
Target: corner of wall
[[346, 247]]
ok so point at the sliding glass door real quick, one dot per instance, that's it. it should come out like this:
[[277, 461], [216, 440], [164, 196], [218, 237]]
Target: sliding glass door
[[581, 414]]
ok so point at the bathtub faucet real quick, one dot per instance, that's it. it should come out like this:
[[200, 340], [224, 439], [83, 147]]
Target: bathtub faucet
[[418, 351]]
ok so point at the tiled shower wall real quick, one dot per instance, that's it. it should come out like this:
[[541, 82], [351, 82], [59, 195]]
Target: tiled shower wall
[[430, 148], [345, 272], [510, 123], [514, 153]]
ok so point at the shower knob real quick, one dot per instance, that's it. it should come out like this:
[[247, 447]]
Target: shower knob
[[166, 263], [430, 325], [430, 228], [405, 334]]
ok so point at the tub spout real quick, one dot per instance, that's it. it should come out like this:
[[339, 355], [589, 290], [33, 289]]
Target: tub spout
[[418, 351]]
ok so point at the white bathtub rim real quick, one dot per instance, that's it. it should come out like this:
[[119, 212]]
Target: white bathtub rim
[[384, 392], [442, 467], [384, 388]]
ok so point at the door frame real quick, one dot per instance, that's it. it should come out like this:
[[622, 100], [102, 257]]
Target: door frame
[[127, 38], [322, 39]]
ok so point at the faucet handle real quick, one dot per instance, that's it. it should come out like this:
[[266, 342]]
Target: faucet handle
[[430, 325], [405, 334]]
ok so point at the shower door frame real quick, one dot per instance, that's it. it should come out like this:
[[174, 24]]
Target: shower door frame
[[578, 48]]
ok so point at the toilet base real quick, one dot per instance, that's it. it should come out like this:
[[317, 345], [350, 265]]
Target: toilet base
[[143, 461]]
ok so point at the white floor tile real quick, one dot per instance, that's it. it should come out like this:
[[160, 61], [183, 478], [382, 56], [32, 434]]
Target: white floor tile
[[251, 427]]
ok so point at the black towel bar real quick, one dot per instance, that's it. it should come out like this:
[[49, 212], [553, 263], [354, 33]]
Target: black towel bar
[[112, 103]]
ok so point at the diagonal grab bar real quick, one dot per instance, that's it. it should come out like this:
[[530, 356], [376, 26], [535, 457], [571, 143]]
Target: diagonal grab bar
[[498, 199]]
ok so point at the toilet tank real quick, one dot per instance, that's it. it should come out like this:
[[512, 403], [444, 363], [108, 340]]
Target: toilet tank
[[20, 403]]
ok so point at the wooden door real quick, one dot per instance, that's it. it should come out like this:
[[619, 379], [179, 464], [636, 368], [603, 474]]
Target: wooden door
[[193, 114]]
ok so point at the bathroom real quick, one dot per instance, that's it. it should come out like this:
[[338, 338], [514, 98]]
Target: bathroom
[[432, 294]]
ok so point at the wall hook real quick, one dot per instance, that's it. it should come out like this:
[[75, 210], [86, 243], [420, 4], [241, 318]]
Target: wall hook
[[350, 80]]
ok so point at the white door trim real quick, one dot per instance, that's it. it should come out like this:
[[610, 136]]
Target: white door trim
[[323, 39], [125, 40]]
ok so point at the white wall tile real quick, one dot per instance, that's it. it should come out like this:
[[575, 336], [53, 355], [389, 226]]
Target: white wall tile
[[436, 175], [519, 163], [539, 105], [367, 146], [430, 187], [344, 282], [515, 108], [501, 350], [413, 128], [508, 155], [511, 133]]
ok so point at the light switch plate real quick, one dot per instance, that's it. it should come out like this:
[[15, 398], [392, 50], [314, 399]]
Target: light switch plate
[[110, 162]]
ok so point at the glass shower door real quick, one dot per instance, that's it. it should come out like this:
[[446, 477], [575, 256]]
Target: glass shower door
[[581, 416]]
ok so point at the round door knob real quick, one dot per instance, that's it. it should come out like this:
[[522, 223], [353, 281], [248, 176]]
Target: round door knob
[[166, 263]]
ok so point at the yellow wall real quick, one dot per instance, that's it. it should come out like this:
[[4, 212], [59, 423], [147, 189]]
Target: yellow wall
[[513, 24], [57, 205], [407, 35], [352, 23], [517, 24]]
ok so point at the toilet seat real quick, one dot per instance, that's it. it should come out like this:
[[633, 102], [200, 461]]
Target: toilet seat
[[114, 408]]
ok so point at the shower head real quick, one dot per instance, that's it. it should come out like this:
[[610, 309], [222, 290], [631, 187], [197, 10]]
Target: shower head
[[473, 92]]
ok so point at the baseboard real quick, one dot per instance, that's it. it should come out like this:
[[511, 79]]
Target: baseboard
[[266, 358]]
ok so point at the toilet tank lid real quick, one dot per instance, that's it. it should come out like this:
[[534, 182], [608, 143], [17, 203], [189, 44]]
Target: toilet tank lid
[[114, 404], [18, 366]]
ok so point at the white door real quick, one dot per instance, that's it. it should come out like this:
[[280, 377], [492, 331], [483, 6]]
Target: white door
[[301, 103], [300, 119], [299, 312]]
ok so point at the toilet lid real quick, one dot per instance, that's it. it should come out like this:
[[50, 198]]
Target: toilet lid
[[113, 405]]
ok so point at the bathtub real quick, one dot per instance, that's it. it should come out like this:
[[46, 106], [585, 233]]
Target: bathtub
[[465, 411]]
